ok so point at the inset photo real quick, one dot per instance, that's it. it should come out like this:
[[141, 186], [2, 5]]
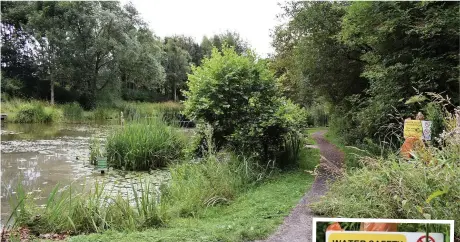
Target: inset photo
[[382, 230]]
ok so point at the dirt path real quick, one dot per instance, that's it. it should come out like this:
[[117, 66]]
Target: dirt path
[[298, 225]]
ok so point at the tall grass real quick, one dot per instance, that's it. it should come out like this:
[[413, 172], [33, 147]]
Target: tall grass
[[425, 187], [96, 150], [103, 114], [144, 145], [23, 111], [215, 179], [290, 156], [73, 112], [167, 111], [81, 211]]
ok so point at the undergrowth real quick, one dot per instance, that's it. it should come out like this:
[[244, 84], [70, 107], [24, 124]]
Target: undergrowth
[[424, 187]]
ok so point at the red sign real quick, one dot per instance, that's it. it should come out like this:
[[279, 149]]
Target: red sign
[[423, 239]]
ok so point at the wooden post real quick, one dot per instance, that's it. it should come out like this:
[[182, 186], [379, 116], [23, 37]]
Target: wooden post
[[420, 116], [122, 120]]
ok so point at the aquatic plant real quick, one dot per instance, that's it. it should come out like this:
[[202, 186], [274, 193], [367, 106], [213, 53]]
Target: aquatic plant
[[96, 210], [167, 111], [96, 150], [144, 145]]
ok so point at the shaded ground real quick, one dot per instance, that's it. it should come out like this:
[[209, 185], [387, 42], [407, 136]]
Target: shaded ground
[[298, 225]]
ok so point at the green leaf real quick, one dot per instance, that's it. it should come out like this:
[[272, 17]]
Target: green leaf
[[419, 209], [435, 195], [416, 99], [427, 216]]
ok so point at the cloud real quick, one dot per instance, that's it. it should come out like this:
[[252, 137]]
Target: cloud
[[253, 19]]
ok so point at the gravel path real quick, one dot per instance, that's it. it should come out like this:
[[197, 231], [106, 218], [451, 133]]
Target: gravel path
[[298, 225]]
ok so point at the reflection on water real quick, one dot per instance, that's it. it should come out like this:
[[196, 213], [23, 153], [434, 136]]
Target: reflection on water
[[41, 156]]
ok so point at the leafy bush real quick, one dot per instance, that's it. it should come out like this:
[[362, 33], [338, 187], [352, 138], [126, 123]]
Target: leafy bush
[[37, 113], [72, 112], [239, 97], [144, 145]]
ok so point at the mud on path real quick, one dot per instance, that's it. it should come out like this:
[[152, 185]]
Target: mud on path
[[298, 225]]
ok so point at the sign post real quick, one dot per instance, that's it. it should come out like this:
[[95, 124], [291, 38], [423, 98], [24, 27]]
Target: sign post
[[415, 131]]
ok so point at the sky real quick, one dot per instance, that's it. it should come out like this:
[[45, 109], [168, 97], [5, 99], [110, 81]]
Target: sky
[[252, 19]]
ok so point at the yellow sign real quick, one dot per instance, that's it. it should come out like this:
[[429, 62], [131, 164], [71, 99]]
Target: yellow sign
[[413, 128], [366, 237]]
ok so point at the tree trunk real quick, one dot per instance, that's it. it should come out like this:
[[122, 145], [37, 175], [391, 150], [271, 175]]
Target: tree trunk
[[52, 90], [175, 93]]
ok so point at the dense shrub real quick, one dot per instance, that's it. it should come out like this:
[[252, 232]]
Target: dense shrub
[[37, 113], [239, 97], [144, 145]]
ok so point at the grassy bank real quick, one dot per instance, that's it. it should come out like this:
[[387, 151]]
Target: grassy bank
[[255, 214], [34, 111]]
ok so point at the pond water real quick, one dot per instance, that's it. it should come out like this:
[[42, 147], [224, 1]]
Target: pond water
[[41, 156]]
